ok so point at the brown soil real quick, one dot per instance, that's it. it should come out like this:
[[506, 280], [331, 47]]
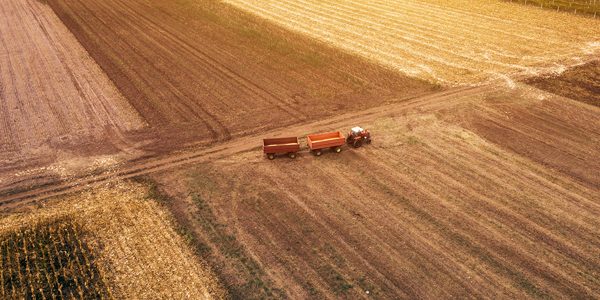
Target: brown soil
[[436, 207], [581, 83], [204, 64], [558, 133], [193, 73], [51, 91]]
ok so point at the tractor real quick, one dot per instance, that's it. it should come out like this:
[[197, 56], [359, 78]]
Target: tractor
[[358, 136]]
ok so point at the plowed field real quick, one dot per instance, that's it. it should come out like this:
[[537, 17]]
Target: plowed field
[[86, 85], [580, 83], [212, 67], [490, 195], [51, 91], [452, 42]]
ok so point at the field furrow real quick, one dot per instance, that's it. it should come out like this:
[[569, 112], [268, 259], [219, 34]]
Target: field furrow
[[70, 97], [439, 206]]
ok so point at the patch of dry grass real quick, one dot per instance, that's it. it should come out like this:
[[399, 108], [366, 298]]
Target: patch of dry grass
[[137, 251], [452, 42]]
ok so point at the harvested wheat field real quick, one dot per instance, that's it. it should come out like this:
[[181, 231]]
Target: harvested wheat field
[[112, 242], [451, 42]]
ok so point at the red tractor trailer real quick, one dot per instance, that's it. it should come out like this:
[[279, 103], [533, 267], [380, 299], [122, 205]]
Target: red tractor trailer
[[285, 145], [320, 141], [316, 142]]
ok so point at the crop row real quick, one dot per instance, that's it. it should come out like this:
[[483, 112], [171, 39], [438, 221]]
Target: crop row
[[48, 261]]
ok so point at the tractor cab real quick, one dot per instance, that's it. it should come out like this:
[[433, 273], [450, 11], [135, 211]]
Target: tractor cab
[[358, 136], [357, 130]]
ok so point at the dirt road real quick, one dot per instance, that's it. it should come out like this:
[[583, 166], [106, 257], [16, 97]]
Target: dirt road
[[13, 196]]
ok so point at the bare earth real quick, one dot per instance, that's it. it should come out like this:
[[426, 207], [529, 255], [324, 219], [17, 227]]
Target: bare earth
[[439, 206], [51, 91]]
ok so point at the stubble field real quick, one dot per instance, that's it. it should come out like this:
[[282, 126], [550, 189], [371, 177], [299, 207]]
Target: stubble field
[[452, 42], [112, 242], [51, 91]]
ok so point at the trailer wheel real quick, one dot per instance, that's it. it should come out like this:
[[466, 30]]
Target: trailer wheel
[[317, 152], [337, 149], [292, 155], [271, 156]]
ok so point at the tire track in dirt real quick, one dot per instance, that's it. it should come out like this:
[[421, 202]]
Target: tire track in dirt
[[224, 71], [449, 215], [48, 96], [152, 165], [435, 190]]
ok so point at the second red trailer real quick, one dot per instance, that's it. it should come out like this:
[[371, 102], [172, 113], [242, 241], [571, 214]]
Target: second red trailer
[[319, 141]]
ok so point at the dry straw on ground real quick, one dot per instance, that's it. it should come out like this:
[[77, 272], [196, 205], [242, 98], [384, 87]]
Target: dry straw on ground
[[452, 42], [138, 252]]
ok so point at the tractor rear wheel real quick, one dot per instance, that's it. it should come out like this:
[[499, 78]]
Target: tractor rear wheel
[[292, 155], [357, 143], [271, 156]]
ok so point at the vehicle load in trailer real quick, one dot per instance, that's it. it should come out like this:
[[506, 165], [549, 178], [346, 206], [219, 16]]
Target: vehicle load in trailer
[[285, 145], [318, 142]]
